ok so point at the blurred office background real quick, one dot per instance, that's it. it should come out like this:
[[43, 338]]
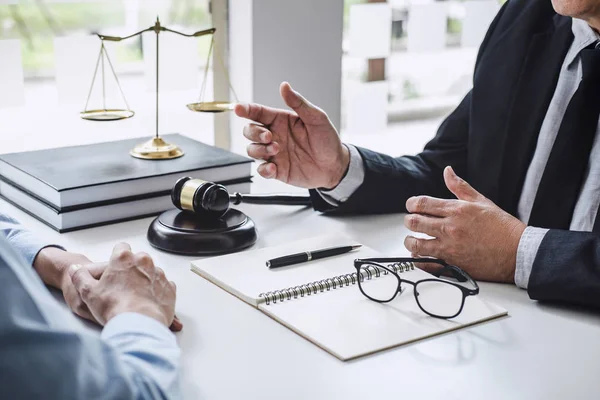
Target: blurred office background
[[403, 66]]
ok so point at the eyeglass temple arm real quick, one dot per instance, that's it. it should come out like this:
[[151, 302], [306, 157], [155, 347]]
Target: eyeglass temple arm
[[401, 259], [461, 276], [455, 272]]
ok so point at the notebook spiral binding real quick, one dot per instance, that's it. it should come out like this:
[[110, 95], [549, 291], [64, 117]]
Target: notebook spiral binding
[[367, 272]]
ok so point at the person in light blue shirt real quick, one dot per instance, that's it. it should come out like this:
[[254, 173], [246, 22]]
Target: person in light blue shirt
[[45, 352]]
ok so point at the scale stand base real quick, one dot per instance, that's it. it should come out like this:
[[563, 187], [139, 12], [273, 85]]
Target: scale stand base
[[182, 232], [156, 149]]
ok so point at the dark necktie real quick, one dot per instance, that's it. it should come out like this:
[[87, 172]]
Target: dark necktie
[[565, 171]]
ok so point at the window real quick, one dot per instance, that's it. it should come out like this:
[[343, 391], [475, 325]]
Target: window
[[57, 58], [430, 52]]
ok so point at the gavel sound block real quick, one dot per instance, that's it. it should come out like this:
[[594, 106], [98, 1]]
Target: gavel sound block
[[203, 223]]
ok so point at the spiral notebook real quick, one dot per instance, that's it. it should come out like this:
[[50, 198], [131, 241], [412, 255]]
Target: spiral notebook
[[320, 300]]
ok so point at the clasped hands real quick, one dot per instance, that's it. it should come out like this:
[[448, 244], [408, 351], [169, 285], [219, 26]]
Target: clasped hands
[[128, 282], [302, 148]]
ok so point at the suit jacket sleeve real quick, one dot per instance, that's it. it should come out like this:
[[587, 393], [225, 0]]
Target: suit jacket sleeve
[[567, 268], [390, 181]]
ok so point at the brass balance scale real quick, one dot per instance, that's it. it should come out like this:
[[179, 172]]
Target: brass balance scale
[[156, 148]]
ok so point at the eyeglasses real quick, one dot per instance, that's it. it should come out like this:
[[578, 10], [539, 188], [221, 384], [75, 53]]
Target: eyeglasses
[[436, 297]]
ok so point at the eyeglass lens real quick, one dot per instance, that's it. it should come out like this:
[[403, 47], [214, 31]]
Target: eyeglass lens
[[439, 298], [377, 283], [436, 297]]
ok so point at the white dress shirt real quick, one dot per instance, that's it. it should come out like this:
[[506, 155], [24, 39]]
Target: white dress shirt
[[588, 202]]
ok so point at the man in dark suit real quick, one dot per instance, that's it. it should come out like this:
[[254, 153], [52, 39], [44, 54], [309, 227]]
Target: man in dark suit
[[523, 137]]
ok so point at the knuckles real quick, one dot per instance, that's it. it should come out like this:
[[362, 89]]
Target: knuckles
[[451, 231], [124, 256], [416, 204], [411, 221], [85, 291], [144, 260], [421, 204], [250, 149], [411, 244]]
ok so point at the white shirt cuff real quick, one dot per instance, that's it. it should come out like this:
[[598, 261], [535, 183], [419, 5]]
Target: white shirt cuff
[[350, 183], [528, 248], [137, 324]]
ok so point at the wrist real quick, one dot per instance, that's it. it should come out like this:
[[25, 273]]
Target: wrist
[[48, 268], [343, 163], [52, 264]]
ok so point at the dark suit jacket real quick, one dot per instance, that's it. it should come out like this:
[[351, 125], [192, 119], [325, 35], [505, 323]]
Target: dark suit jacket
[[490, 140]]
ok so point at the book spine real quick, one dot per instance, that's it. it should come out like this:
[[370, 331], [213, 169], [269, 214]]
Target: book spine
[[368, 272]]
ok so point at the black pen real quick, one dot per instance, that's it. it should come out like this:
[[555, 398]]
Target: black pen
[[310, 255]]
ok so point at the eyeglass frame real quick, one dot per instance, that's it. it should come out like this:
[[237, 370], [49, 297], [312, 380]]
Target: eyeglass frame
[[459, 274]]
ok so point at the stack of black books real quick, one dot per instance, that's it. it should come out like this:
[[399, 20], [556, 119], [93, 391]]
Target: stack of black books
[[79, 187]]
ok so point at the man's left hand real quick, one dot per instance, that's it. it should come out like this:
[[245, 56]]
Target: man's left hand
[[52, 265], [471, 232], [72, 297]]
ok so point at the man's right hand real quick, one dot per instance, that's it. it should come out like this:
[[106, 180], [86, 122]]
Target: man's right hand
[[130, 283], [301, 148]]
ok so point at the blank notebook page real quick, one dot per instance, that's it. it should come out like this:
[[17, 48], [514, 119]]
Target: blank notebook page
[[246, 275], [348, 325], [341, 321]]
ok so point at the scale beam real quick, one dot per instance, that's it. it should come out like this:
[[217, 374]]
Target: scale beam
[[156, 28], [156, 148]]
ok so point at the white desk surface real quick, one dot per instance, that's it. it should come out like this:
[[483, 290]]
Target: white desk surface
[[233, 351]]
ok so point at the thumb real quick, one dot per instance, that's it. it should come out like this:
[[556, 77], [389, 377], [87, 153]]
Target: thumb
[[308, 112], [83, 281], [459, 187]]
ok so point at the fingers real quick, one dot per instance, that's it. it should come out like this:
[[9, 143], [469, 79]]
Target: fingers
[[264, 147], [121, 252], [309, 113], [257, 112], [96, 269], [258, 134], [459, 187], [267, 170], [420, 223], [176, 325], [432, 268], [261, 151], [429, 206], [423, 247], [82, 280]]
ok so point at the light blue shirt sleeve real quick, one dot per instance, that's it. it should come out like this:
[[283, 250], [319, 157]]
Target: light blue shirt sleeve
[[350, 183], [47, 353], [20, 239]]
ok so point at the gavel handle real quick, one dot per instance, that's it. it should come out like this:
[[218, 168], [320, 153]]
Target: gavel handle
[[279, 199]]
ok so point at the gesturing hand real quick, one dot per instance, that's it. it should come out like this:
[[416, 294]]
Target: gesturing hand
[[301, 148], [471, 232], [130, 283]]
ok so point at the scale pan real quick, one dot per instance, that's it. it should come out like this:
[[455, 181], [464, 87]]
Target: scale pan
[[106, 115], [211, 106]]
